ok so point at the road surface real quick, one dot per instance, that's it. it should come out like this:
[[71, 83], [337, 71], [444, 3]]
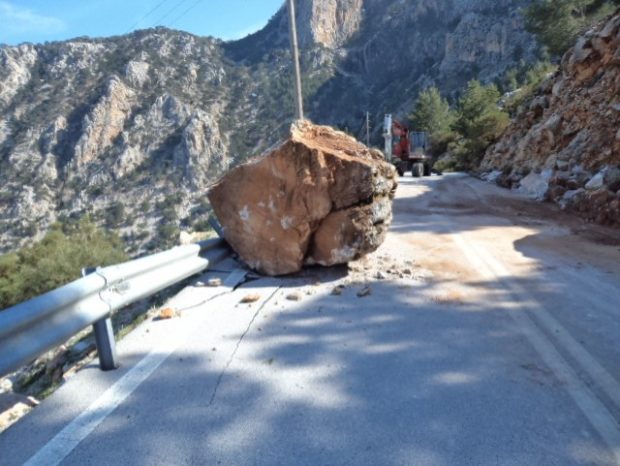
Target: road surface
[[483, 332]]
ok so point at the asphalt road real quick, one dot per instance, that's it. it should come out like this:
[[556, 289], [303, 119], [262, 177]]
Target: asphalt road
[[491, 340]]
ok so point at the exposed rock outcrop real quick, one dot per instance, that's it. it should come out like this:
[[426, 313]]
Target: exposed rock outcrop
[[15, 70], [137, 73], [104, 123], [321, 197], [568, 135], [201, 151], [329, 23]]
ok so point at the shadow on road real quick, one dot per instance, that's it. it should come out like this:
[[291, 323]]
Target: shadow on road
[[409, 375], [395, 378]]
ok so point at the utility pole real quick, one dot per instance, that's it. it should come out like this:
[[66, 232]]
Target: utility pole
[[299, 105], [368, 129], [387, 135]]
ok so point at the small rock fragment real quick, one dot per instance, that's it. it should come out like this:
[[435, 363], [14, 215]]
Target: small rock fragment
[[214, 282], [293, 296], [167, 313], [250, 298], [366, 291], [6, 385], [337, 291]]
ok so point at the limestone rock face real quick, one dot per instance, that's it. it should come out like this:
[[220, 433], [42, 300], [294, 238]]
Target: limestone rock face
[[137, 73], [201, 150], [320, 197], [15, 70], [569, 131], [329, 22], [104, 123]]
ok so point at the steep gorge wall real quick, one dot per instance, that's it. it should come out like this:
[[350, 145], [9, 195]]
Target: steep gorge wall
[[565, 145], [376, 55]]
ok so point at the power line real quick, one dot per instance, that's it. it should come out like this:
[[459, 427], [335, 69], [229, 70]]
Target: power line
[[160, 20], [193, 5], [153, 10]]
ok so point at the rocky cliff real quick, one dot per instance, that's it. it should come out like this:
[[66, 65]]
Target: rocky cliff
[[132, 129], [565, 143], [377, 54], [115, 128]]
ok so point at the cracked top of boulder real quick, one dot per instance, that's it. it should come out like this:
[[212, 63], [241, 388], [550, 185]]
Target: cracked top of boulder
[[320, 197]]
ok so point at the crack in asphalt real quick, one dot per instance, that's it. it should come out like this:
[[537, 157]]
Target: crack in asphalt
[[232, 356]]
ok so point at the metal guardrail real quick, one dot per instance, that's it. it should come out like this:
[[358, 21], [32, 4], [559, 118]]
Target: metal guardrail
[[33, 327]]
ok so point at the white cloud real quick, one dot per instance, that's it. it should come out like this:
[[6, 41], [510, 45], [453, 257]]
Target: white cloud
[[17, 20]]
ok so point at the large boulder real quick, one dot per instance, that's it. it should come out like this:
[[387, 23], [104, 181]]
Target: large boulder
[[320, 197]]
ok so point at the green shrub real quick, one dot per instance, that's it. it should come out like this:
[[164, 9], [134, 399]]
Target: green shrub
[[168, 234], [532, 77], [56, 260], [446, 163], [168, 214], [202, 225], [115, 215]]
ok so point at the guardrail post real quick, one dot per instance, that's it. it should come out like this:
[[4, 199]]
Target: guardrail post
[[104, 337], [106, 345]]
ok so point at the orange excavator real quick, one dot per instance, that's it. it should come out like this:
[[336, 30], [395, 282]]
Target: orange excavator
[[409, 150]]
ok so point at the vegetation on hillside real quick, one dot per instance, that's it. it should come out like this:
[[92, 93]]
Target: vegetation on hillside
[[557, 23], [465, 132], [462, 135], [55, 260], [527, 83]]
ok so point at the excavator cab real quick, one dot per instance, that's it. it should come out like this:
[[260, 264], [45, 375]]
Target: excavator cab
[[409, 151]]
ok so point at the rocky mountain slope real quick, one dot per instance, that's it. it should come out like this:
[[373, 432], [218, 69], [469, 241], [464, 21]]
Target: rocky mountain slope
[[565, 144], [382, 52], [132, 129]]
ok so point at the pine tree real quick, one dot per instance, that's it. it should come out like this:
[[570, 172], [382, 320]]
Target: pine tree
[[480, 121], [432, 113]]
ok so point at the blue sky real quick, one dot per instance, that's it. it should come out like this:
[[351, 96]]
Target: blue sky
[[48, 20]]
